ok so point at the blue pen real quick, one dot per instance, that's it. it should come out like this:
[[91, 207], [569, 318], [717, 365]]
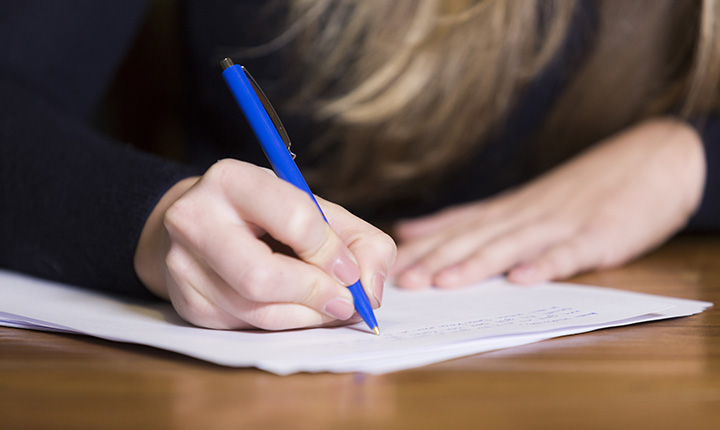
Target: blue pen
[[276, 145]]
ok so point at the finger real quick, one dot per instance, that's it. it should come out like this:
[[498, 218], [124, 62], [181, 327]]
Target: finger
[[203, 298], [374, 250], [414, 228], [192, 306], [407, 271], [449, 249], [288, 214], [563, 260], [249, 266], [197, 309], [502, 253]]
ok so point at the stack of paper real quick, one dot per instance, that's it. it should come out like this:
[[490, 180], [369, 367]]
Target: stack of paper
[[418, 327]]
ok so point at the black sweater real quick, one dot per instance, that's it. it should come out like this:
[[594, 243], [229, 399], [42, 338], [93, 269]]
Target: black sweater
[[73, 201]]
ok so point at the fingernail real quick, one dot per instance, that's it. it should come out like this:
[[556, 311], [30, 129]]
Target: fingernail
[[378, 287], [339, 308], [346, 271]]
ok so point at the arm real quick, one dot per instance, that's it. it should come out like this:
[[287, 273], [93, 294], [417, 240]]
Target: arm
[[80, 208], [73, 201]]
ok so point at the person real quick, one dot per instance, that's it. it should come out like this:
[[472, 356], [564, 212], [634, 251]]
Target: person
[[538, 139]]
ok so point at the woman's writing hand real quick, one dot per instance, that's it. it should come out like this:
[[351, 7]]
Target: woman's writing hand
[[204, 247], [619, 199]]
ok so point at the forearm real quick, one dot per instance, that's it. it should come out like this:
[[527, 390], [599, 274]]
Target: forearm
[[74, 202]]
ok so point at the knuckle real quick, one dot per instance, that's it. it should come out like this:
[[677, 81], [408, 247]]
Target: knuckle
[[379, 245], [175, 260], [557, 265], [385, 245], [565, 260], [487, 258], [597, 245], [266, 317], [303, 218], [222, 172], [562, 227], [199, 311], [309, 231], [175, 215], [228, 175], [608, 258], [255, 282], [498, 257], [180, 217], [311, 292], [603, 222], [568, 259]]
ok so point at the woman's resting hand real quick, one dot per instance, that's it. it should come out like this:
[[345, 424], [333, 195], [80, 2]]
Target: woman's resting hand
[[617, 200]]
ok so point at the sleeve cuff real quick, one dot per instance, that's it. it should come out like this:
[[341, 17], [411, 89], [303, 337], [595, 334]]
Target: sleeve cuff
[[707, 216]]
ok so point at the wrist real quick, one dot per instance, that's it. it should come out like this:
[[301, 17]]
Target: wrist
[[688, 154]]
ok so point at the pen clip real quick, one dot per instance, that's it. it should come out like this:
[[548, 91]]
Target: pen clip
[[270, 111]]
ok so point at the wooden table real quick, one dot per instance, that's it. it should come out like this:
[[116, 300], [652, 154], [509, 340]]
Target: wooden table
[[657, 375]]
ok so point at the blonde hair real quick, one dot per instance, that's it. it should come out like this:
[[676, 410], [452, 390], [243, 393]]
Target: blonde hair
[[409, 89]]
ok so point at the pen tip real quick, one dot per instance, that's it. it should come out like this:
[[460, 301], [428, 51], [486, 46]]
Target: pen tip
[[376, 331]]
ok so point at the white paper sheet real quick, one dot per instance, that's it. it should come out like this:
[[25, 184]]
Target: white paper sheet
[[418, 328]]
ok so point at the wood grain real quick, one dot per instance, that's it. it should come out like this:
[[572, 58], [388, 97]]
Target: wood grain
[[656, 375]]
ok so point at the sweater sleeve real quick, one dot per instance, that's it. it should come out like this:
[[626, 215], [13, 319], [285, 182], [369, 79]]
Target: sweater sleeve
[[72, 201], [707, 217]]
